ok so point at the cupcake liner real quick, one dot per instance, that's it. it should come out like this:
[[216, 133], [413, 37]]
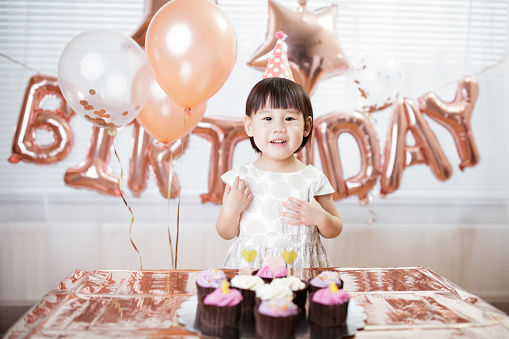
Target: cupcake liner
[[223, 333], [212, 316], [204, 291], [327, 315], [248, 300], [300, 297], [247, 323], [268, 327]]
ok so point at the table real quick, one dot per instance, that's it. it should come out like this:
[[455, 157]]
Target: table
[[399, 303]]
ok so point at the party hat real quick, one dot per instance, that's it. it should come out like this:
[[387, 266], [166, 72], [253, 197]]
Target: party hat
[[278, 65]]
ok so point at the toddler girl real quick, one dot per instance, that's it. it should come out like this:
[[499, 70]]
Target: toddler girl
[[277, 203]]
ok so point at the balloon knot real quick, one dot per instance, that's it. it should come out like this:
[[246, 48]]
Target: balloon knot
[[187, 110], [280, 35], [13, 159]]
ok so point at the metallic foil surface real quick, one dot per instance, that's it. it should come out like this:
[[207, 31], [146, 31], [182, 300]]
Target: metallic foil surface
[[399, 303]]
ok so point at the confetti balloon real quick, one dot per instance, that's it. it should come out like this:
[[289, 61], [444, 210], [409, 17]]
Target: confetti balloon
[[375, 82], [105, 77]]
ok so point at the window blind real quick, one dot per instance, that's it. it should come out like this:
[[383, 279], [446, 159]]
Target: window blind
[[436, 43]]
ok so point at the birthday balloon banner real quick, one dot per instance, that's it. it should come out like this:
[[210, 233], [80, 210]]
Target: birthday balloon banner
[[190, 64], [224, 134]]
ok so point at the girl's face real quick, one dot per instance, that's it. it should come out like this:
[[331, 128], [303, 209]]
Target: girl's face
[[277, 133]]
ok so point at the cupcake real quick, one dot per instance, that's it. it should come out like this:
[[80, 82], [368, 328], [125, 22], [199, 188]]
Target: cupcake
[[220, 312], [247, 285], [299, 288], [267, 274], [328, 307], [208, 281], [276, 318], [324, 279], [271, 291]]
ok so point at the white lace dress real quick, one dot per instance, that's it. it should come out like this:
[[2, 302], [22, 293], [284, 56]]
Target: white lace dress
[[263, 229]]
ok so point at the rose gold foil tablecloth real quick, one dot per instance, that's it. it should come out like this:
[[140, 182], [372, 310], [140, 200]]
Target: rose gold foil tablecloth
[[399, 303]]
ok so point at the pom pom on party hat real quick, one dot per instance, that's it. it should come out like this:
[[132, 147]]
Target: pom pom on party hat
[[278, 65]]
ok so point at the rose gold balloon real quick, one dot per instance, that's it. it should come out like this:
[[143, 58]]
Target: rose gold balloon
[[456, 117], [94, 172], [313, 50], [223, 134], [406, 116], [191, 48], [33, 116], [160, 158], [166, 121], [327, 131], [145, 153]]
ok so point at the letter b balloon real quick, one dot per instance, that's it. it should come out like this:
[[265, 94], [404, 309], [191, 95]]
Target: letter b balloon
[[191, 47]]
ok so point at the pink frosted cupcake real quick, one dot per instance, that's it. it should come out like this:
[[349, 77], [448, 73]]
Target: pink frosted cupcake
[[220, 312], [328, 307], [208, 281], [276, 318], [268, 275], [324, 279]]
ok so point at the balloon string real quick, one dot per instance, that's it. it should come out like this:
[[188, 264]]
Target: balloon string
[[170, 177], [476, 74], [125, 202], [19, 63], [188, 113]]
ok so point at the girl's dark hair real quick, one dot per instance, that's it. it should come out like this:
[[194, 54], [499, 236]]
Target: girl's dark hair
[[279, 93]]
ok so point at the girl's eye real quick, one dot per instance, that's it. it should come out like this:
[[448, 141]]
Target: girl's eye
[[267, 118], [289, 118]]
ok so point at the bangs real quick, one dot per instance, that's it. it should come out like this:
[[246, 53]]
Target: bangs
[[278, 93]]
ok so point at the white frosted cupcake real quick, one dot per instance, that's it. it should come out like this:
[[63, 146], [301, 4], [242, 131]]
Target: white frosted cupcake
[[270, 292], [299, 288], [247, 285]]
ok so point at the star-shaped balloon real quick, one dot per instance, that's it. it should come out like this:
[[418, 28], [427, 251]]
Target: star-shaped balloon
[[312, 48], [151, 7]]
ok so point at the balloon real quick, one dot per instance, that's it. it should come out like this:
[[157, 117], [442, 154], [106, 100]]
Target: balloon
[[151, 8], [105, 77], [456, 116], [327, 131], [223, 134], [406, 116], [164, 120], [94, 172], [33, 116], [375, 82], [145, 153], [191, 48], [312, 47]]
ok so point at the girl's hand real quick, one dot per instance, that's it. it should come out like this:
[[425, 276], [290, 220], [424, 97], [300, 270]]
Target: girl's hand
[[320, 212], [237, 197], [303, 213]]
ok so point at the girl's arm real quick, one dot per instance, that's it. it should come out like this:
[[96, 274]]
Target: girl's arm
[[235, 200], [320, 212]]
